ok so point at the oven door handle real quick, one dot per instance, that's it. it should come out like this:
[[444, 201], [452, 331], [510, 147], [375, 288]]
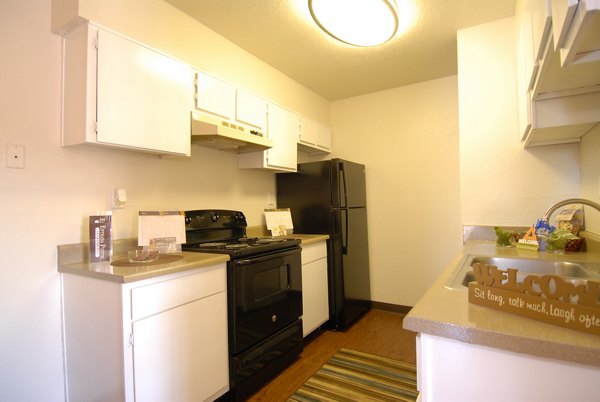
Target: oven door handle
[[248, 261]]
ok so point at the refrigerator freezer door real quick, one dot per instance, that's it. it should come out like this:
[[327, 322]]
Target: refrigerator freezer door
[[308, 194], [351, 185]]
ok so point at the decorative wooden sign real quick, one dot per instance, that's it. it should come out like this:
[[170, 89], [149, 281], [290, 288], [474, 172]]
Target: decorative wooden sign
[[548, 298]]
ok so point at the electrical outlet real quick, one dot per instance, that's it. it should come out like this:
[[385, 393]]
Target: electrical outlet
[[15, 156]]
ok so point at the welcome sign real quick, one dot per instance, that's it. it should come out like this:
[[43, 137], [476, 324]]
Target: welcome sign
[[549, 298]]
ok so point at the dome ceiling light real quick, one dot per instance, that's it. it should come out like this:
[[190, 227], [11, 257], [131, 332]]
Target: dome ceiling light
[[356, 22]]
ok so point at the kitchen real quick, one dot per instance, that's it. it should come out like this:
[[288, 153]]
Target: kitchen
[[46, 204]]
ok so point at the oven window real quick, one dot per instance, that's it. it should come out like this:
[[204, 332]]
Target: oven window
[[270, 282]]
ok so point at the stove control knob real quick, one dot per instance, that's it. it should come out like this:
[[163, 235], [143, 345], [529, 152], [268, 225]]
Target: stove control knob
[[274, 318], [214, 217]]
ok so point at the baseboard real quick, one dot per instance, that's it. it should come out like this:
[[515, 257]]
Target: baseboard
[[394, 308]]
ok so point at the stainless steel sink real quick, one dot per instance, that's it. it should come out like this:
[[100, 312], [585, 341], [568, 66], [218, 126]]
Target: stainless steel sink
[[574, 271]]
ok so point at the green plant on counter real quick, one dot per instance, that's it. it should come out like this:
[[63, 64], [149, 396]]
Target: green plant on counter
[[559, 238], [503, 237]]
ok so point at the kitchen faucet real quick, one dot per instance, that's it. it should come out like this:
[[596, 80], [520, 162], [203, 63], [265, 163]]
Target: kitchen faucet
[[559, 204]]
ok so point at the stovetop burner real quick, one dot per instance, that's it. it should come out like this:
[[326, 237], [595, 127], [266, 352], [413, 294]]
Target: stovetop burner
[[224, 231], [243, 244]]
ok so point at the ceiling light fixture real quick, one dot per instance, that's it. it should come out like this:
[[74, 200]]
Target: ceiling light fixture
[[356, 22]]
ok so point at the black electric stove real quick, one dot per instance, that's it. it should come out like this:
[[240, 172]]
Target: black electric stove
[[264, 296]]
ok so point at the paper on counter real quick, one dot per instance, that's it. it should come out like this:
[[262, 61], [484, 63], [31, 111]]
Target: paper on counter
[[160, 225], [279, 221]]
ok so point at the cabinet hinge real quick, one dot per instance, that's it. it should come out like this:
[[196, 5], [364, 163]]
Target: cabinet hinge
[[131, 339], [196, 88], [96, 127], [96, 42]]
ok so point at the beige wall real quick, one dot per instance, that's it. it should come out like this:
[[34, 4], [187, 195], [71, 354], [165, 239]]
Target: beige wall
[[590, 176], [46, 203], [500, 182], [408, 139]]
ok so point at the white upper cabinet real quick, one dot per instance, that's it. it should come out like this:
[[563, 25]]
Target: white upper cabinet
[[230, 104], [541, 22], [117, 92], [282, 130], [251, 110], [577, 30], [562, 16], [215, 96], [314, 137], [228, 118], [556, 103]]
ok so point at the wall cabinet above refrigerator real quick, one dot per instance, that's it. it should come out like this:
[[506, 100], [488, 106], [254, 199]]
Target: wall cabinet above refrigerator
[[314, 137]]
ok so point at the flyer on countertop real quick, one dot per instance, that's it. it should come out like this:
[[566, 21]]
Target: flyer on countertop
[[279, 221], [153, 225]]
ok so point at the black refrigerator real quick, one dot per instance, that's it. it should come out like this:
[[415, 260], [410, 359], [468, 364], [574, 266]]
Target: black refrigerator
[[329, 197]]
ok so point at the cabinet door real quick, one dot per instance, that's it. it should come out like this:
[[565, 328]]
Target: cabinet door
[[315, 291], [143, 97], [582, 41], [524, 71], [315, 137], [562, 16], [283, 131], [215, 96], [541, 21], [181, 354], [526, 59], [315, 299], [251, 110]]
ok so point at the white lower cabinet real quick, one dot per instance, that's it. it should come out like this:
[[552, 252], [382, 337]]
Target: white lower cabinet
[[453, 371], [315, 291], [159, 339]]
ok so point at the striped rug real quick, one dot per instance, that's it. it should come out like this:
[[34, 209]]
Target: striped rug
[[355, 376]]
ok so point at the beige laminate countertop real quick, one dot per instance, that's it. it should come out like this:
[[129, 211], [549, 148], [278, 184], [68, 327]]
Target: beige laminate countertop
[[307, 239], [447, 313], [72, 259]]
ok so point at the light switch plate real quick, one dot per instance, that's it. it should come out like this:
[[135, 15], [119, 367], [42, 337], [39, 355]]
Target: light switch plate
[[15, 156]]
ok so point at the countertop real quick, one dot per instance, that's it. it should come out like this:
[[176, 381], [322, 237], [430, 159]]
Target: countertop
[[447, 313], [72, 259]]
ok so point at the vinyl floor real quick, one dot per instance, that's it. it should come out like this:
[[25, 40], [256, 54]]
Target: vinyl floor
[[378, 332]]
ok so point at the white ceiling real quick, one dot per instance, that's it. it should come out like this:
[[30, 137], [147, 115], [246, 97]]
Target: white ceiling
[[281, 33]]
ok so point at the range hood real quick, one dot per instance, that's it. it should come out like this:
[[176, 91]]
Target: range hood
[[219, 134]]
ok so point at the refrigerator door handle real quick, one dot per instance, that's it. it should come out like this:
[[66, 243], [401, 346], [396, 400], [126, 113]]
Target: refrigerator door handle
[[345, 234], [344, 207], [344, 184]]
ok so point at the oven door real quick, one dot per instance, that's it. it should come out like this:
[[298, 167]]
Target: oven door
[[266, 296]]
